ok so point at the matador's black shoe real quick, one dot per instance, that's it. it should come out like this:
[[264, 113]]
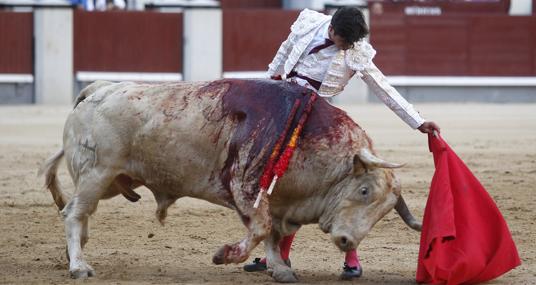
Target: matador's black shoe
[[349, 273], [258, 265]]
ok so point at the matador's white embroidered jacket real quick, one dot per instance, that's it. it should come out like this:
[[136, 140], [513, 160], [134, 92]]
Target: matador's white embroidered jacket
[[343, 66]]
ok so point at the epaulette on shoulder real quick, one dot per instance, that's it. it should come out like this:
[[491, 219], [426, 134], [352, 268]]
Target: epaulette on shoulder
[[308, 20], [360, 56]]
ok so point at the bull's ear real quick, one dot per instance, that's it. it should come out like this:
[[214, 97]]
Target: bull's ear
[[372, 161], [359, 166]]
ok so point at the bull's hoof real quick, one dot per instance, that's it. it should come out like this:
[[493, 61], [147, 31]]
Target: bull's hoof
[[285, 276], [220, 255], [82, 271], [229, 254]]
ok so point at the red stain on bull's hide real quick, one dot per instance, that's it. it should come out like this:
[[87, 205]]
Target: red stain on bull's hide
[[260, 109]]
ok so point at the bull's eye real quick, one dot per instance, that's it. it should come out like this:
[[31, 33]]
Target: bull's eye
[[364, 191]]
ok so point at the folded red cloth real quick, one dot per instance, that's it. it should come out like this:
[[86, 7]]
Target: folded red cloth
[[464, 238]]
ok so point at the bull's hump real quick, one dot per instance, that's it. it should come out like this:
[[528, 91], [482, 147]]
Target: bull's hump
[[275, 97], [329, 123]]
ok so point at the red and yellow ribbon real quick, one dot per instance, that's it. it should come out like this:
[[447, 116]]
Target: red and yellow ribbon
[[273, 171]]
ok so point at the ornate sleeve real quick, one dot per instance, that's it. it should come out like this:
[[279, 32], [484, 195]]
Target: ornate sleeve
[[390, 97], [307, 21], [277, 64]]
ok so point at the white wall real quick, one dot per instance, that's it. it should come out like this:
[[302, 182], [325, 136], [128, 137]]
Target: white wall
[[203, 44], [53, 33], [520, 7]]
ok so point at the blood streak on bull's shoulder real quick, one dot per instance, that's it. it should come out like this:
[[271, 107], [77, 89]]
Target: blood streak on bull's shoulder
[[329, 123], [260, 109]]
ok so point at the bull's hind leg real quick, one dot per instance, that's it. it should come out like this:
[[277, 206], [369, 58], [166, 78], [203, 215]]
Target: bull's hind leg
[[90, 189]]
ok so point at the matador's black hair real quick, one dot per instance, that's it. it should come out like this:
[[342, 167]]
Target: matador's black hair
[[349, 23]]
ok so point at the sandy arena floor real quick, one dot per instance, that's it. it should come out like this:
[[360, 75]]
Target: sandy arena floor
[[128, 246]]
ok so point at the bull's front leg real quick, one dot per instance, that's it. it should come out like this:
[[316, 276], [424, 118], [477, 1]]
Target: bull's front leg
[[277, 267], [258, 222]]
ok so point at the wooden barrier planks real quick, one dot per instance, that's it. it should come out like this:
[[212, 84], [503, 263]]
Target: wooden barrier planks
[[251, 37], [16, 48], [455, 45], [118, 41]]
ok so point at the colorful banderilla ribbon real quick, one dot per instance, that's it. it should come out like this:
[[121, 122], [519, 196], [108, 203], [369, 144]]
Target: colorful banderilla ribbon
[[273, 171]]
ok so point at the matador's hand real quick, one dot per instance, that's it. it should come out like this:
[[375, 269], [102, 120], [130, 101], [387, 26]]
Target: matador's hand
[[429, 127]]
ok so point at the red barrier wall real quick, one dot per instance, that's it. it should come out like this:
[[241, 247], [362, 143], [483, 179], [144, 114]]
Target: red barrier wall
[[446, 6], [16, 30], [473, 45], [118, 41], [231, 4], [251, 37]]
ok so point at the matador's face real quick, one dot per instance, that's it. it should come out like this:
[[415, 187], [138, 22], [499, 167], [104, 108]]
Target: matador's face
[[339, 41]]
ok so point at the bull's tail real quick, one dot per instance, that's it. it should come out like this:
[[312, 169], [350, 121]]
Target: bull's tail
[[50, 168]]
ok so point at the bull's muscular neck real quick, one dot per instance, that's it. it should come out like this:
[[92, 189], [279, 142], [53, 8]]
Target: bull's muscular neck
[[309, 191], [317, 207]]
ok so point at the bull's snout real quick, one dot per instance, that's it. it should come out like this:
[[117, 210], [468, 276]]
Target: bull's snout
[[344, 243]]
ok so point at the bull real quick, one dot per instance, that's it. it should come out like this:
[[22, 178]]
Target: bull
[[211, 140]]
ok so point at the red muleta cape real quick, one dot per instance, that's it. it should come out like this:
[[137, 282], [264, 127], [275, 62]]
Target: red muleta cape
[[464, 238]]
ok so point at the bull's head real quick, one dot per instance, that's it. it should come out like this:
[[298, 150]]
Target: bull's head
[[364, 197]]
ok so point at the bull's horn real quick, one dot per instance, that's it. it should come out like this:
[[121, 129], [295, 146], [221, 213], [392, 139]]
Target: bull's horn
[[406, 215], [370, 160]]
